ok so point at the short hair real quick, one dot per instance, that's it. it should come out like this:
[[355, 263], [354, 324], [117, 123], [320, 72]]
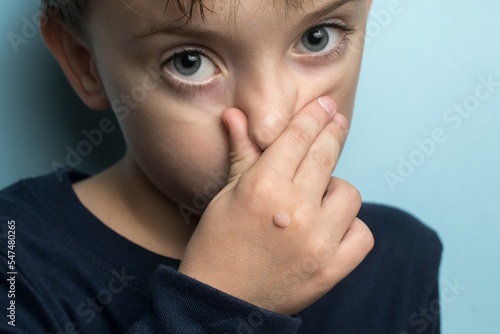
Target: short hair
[[74, 12], [70, 12]]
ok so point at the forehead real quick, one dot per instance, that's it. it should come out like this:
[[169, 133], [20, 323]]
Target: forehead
[[230, 11], [221, 20]]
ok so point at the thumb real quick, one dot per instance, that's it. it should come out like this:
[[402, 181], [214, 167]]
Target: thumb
[[243, 152]]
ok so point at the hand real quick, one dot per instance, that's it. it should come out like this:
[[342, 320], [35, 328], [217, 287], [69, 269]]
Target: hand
[[283, 232]]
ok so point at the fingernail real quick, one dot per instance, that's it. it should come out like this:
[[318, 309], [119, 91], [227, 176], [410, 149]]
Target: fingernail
[[327, 104], [341, 121]]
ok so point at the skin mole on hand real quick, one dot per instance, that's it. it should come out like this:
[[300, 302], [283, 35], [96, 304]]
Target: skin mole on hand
[[281, 220]]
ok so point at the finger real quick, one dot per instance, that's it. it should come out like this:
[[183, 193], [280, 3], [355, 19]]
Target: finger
[[284, 155], [355, 245], [314, 172], [339, 207], [243, 151]]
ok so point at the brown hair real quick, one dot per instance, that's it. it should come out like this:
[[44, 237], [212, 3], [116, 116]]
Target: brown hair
[[74, 12], [71, 12]]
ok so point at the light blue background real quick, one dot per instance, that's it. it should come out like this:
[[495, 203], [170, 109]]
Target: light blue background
[[419, 63]]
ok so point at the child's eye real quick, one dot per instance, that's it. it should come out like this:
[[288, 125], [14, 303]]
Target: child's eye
[[321, 39], [190, 66], [324, 39]]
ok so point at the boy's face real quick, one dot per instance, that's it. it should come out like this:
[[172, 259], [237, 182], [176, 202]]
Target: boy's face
[[177, 78]]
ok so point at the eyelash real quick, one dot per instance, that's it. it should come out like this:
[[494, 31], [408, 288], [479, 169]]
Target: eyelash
[[191, 88], [340, 49]]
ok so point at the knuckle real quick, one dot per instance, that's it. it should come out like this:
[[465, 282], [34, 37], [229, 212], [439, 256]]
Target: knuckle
[[355, 196], [323, 159], [303, 214], [259, 195], [350, 193], [261, 188], [368, 241], [300, 136]]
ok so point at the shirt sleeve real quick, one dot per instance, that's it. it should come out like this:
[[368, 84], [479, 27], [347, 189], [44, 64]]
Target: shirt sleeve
[[181, 304]]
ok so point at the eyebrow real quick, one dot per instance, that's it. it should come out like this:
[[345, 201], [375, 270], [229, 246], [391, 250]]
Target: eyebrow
[[175, 28], [325, 10], [156, 27]]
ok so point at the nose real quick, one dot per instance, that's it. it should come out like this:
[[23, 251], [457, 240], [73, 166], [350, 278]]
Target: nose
[[268, 96]]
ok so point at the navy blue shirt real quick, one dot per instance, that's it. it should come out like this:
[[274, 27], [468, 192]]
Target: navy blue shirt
[[72, 274]]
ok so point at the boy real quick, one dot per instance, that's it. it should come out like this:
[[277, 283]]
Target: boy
[[223, 216]]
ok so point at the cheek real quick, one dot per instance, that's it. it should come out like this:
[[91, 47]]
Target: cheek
[[343, 92], [338, 83], [179, 147], [179, 143]]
